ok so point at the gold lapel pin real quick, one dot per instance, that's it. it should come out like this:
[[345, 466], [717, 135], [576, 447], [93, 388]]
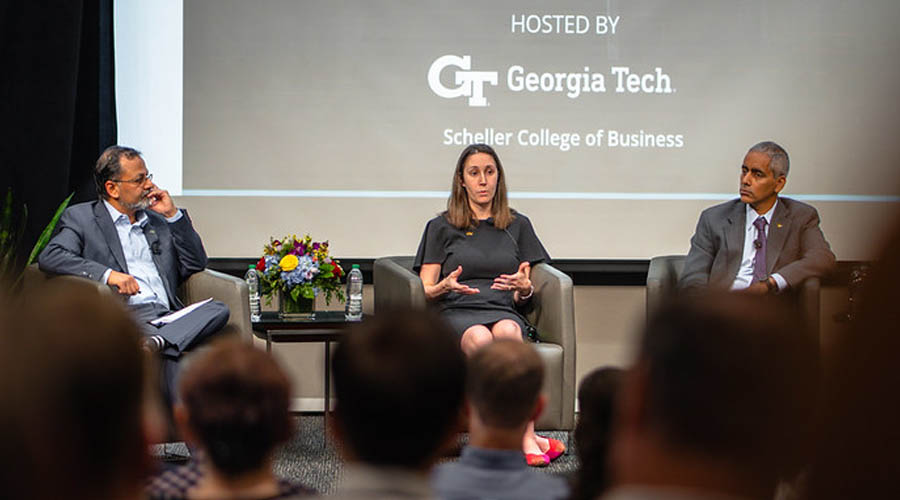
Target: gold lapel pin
[[779, 225], [469, 233]]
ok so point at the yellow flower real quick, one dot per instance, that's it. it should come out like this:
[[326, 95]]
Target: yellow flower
[[289, 263]]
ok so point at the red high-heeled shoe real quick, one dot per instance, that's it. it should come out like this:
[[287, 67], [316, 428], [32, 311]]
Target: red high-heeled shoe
[[535, 460], [557, 448]]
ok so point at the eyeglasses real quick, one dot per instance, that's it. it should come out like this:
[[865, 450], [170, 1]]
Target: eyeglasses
[[138, 180]]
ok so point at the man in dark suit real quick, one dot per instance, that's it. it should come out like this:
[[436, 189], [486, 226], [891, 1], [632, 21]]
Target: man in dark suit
[[138, 242], [760, 243]]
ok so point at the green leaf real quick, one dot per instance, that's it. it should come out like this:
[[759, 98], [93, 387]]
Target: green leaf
[[295, 293], [48, 231], [308, 292]]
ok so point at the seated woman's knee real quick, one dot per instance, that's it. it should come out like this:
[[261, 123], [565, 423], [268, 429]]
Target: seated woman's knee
[[474, 337], [507, 329]]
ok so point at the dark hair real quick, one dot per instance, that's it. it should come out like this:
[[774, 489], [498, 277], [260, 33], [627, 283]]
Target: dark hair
[[459, 214], [108, 166], [74, 393], [238, 403], [592, 433], [734, 377], [404, 371], [503, 382]]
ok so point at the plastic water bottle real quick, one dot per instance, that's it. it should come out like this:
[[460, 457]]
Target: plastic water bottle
[[353, 310], [252, 278]]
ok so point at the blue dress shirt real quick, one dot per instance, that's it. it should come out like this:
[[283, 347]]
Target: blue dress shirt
[[138, 257]]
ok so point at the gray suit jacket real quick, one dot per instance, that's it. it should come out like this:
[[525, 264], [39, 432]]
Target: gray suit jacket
[[86, 244], [796, 247]]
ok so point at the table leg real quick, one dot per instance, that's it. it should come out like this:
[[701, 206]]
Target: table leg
[[327, 409]]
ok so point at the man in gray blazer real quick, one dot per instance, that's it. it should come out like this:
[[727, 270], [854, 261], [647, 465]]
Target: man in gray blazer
[[761, 243], [138, 242]]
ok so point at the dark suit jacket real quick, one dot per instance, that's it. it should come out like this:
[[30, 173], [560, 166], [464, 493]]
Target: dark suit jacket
[[86, 244], [796, 248]]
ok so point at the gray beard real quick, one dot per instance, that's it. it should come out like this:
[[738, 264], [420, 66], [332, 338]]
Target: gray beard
[[141, 205]]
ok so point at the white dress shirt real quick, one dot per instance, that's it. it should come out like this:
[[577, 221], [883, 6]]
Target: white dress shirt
[[744, 276]]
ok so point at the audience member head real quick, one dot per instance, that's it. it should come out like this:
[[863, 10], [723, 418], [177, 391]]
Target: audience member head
[[399, 381], [856, 454], [234, 404], [503, 384], [459, 211], [593, 430], [74, 387], [720, 397]]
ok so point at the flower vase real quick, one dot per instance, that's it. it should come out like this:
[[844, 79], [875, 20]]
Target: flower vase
[[290, 309]]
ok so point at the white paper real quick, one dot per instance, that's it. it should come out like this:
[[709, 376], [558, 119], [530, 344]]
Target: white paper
[[168, 318]]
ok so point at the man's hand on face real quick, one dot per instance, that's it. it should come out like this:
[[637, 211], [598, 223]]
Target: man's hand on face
[[161, 202], [126, 283]]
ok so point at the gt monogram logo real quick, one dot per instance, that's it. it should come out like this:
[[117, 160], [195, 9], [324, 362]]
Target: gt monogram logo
[[469, 83]]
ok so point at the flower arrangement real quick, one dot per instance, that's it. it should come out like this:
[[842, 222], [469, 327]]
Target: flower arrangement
[[299, 269]]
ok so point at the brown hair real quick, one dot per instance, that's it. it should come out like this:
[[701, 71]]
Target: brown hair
[[734, 377], [593, 431], [459, 214], [74, 375], [503, 381], [402, 370], [238, 403]]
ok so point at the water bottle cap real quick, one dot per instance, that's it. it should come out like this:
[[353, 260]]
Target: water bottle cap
[[354, 266]]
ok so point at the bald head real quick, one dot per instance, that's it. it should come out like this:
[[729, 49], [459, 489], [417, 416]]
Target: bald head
[[503, 382]]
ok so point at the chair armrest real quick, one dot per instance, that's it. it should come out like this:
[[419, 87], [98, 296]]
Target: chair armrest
[[396, 285], [225, 288], [34, 277], [553, 314], [662, 279]]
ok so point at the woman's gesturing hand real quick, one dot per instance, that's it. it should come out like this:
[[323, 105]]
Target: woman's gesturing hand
[[518, 282], [451, 284]]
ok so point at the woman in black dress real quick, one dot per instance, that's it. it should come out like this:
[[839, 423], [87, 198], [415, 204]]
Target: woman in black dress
[[475, 263]]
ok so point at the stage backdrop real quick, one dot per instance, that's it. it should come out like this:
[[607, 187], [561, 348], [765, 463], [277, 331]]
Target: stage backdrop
[[616, 121]]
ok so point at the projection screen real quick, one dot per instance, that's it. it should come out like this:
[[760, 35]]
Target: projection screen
[[617, 122]]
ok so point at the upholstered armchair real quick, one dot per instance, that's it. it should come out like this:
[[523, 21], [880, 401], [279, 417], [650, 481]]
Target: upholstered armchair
[[552, 313], [207, 283], [665, 270]]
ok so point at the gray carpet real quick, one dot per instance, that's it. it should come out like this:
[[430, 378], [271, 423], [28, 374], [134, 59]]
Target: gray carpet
[[304, 458]]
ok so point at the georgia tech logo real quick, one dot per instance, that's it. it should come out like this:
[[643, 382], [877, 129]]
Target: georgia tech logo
[[470, 83]]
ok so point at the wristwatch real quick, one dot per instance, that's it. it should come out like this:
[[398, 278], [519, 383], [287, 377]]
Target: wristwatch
[[770, 284]]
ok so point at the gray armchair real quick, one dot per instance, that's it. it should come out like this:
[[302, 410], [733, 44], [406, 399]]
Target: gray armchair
[[553, 314], [665, 270], [207, 283]]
